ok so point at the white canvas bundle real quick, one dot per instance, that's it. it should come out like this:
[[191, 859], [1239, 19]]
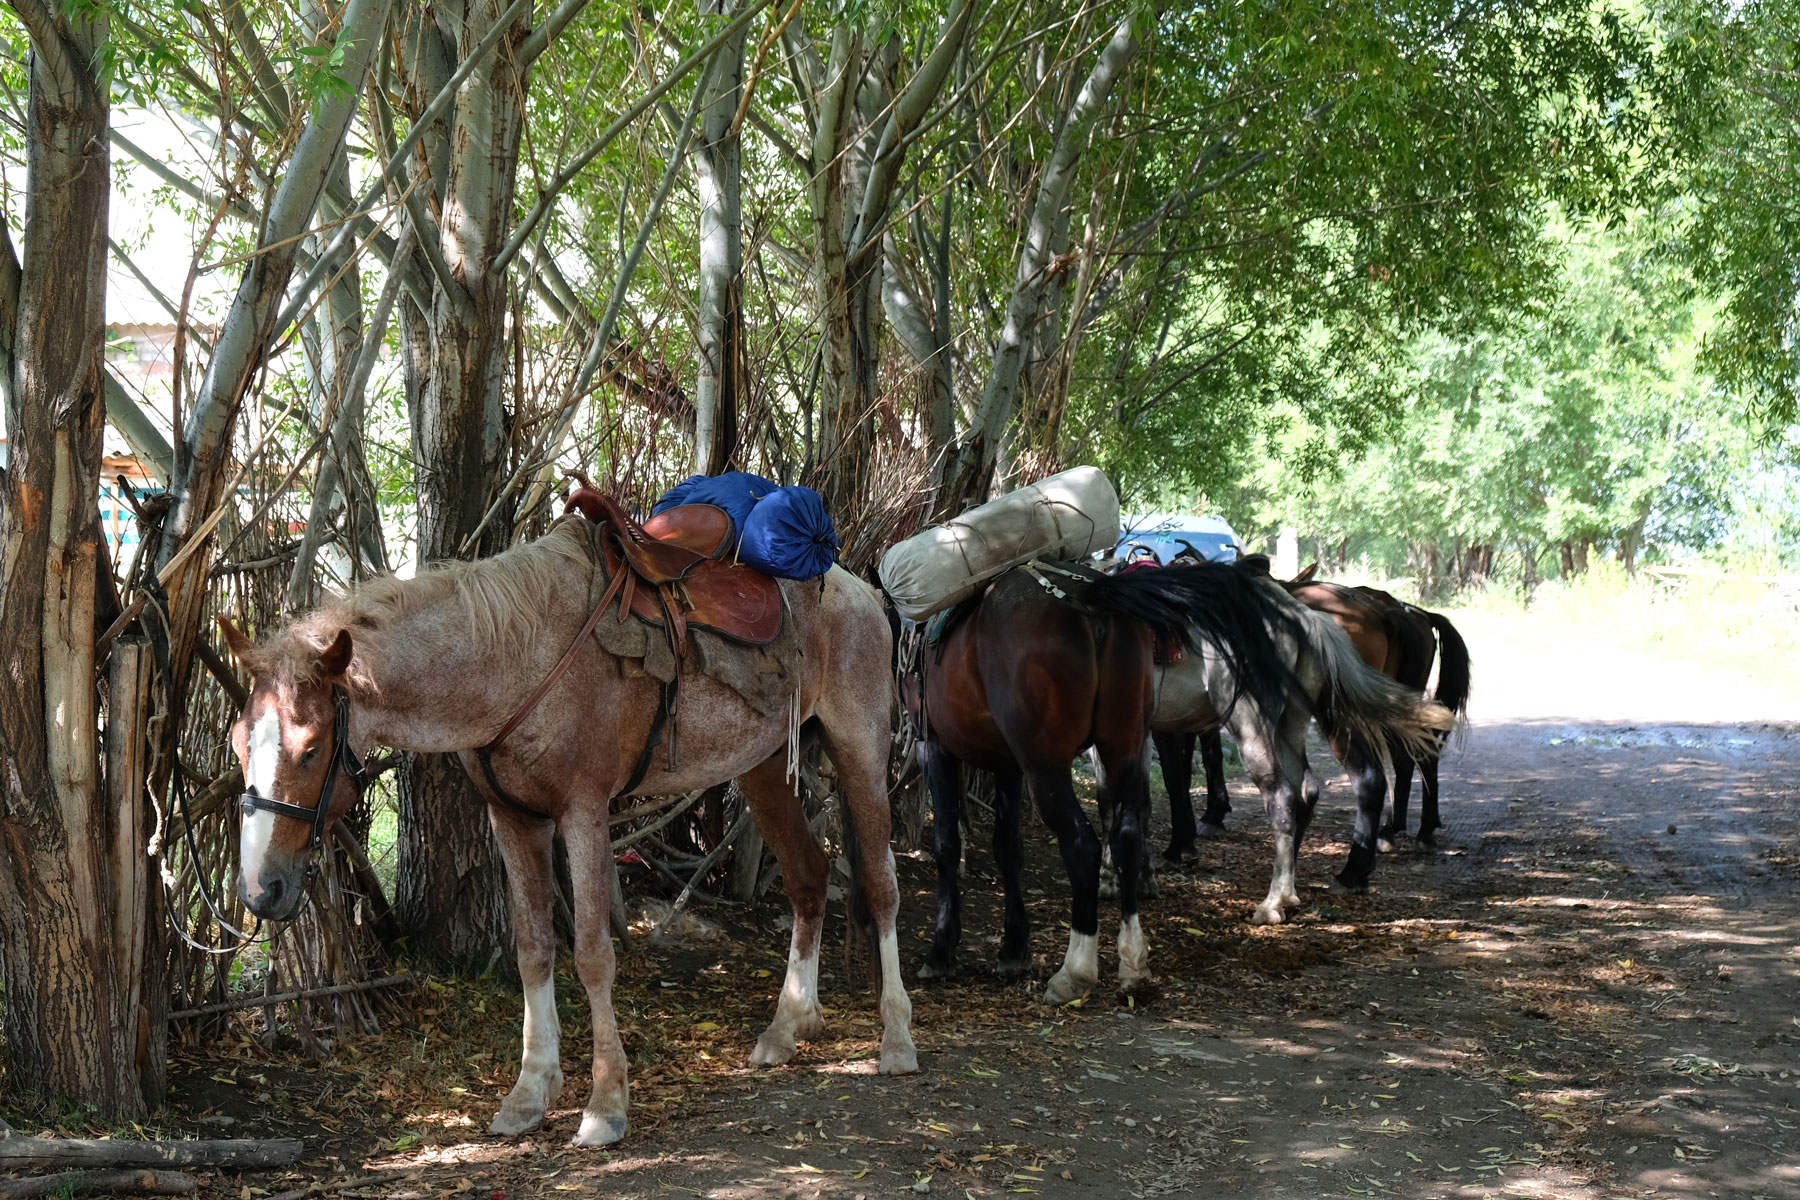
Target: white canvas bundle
[[1067, 516]]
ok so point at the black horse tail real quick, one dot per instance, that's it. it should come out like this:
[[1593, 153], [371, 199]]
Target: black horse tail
[[1217, 606], [1453, 666]]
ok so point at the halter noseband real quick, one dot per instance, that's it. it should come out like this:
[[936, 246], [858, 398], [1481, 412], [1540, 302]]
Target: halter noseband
[[342, 759]]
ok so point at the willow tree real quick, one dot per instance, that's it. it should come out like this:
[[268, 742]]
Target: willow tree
[[76, 949]]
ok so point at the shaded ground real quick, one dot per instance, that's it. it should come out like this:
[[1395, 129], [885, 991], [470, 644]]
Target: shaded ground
[[1589, 989]]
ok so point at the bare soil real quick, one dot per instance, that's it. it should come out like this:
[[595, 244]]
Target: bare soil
[[1589, 988]]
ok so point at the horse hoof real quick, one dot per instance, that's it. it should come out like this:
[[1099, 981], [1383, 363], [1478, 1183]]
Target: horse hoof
[[1428, 837], [931, 968], [510, 1123], [1209, 829], [1012, 966], [1355, 887], [1268, 913], [1064, 987], [597, 1130], [1174, 856], [772, 1052], [1150, 888], [899, 1059], [1384, 844]]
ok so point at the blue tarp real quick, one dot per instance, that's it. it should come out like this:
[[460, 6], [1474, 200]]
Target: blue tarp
[[780, 531], [735, 491], [789, 535]]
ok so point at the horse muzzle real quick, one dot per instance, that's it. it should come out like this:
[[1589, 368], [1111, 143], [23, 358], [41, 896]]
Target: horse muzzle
[[278, 895]]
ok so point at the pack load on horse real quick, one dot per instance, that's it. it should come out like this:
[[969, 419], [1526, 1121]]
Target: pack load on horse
[[559, 671], [1064, 517], [780, 531], [1040, 660]]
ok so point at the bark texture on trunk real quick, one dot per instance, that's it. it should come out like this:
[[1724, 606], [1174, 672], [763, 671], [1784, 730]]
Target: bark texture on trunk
[[75, 936], [449, 896]]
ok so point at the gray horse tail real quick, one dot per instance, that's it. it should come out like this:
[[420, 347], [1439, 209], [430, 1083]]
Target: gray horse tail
[[1361, 702]]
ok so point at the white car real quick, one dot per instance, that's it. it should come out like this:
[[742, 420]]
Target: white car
[[1168, 534]]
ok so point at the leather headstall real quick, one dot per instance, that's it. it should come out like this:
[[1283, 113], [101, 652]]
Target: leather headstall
[[342, 759]]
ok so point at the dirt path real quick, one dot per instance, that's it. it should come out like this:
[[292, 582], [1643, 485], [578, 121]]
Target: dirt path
[[1590, 989]]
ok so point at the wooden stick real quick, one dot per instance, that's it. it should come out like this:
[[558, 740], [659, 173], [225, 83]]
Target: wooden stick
[[161, 1183], [23, 1153], [336, 989], [345, 1183]]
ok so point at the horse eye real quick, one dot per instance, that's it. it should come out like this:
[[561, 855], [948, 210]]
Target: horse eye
[[306, 759]]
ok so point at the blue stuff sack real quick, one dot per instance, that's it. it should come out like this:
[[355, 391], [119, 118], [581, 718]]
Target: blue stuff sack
[[788, 535], [735, 491]]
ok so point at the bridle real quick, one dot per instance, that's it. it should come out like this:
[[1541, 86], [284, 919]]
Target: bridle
[[342, 759]]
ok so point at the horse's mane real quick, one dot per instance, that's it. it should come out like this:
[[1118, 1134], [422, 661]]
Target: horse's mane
[[502, 599]]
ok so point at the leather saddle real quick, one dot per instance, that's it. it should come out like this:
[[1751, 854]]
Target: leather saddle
[[676, 571]]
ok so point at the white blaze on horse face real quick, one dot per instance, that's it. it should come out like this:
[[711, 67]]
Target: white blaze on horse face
[[259, 826]]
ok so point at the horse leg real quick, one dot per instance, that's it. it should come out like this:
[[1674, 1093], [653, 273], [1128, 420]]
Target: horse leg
[[1395, 825], [1009, 855], [1429, 823], [1103, 800], [943, 775], [1054, 794], [589, 842], [1133, 800], [525, 845], [1218, 799], [1276, 760], [782, 822], [1176, 750], [1370, 784], [858, 741]]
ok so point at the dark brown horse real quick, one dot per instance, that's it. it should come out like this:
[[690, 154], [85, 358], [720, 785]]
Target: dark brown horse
[[1049, 661], [1398, 639]]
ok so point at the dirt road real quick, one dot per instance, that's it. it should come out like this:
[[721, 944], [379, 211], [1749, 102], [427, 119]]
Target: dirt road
[[1590, 988]]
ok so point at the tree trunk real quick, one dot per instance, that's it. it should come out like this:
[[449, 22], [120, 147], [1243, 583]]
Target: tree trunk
[[1565, 559], [966, 474], [718, 177], [73, 907], [449, 894]]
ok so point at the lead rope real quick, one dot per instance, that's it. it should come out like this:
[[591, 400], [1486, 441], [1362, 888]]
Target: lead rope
[[793, 743]]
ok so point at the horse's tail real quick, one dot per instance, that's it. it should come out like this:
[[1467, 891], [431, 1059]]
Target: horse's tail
[[1453, 666], [1366, 705], [1219, 606]]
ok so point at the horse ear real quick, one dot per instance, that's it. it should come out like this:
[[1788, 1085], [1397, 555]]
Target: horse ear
[[1306, 575], [239, 645], [334, 660]]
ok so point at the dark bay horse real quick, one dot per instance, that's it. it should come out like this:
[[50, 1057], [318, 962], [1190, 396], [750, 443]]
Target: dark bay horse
[[1046, 662], [1398, 639], [441, 662]]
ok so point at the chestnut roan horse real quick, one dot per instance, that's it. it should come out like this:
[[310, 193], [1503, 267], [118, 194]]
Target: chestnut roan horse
[[1050, 660], [441, 662]]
